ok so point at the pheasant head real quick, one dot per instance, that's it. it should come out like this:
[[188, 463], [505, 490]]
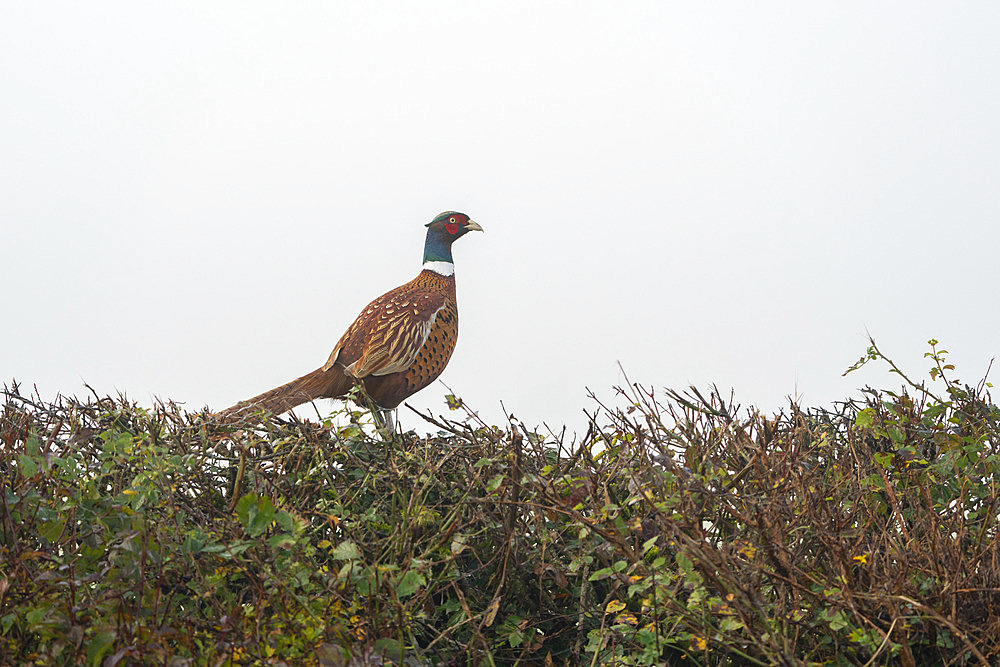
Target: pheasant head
[[442, 231]]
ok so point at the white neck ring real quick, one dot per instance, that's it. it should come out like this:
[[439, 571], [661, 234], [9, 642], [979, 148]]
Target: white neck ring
[[441, 268]]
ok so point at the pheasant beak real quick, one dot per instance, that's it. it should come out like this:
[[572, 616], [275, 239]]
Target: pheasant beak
[[471, 226]]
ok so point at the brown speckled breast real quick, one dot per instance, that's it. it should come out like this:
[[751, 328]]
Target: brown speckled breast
[[381, 325], [436, 352]]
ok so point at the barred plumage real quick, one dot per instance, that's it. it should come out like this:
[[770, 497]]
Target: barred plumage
[[395, 327]]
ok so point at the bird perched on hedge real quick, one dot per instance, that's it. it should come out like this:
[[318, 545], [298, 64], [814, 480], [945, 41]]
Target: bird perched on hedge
[[399, 343]]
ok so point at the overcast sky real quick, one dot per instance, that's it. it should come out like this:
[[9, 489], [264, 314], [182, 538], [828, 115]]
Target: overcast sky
[[197, 198]]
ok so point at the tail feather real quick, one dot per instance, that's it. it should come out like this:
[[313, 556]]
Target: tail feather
[[320, 383]]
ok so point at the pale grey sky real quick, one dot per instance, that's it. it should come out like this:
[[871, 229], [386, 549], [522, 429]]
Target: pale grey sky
[[197, 198]]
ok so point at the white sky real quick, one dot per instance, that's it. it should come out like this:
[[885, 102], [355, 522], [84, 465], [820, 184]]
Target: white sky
[[197, 198]]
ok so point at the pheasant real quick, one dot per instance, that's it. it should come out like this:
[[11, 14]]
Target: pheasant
[[398, 345]]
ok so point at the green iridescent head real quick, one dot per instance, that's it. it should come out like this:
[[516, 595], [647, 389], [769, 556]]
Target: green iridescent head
[[442, 232]]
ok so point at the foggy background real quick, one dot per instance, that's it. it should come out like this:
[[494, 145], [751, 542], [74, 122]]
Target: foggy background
[[196, 199]]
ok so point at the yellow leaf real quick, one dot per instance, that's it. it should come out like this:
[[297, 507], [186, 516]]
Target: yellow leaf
[[491, 611], [627, 617], [614, 607]]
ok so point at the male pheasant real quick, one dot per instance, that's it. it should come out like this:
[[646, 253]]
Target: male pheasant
[[399, 343]]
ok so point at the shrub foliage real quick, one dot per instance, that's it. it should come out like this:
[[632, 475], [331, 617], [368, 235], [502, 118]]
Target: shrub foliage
[[680, 530]]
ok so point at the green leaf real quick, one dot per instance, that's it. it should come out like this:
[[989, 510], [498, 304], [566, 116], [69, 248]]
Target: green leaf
[[409, 583], [388, 648], [6, 622], [256, 513], [281, 540], [243, 507], [837, 619], [234, 549], [684, 563], [347, 550], [35, 616], [193, 542], [98, 646], [51, 530], [865, 418], [286, 521], [28, 465], [730, 624], [66, 464]]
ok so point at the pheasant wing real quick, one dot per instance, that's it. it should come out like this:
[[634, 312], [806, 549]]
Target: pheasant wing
[[390, 333]]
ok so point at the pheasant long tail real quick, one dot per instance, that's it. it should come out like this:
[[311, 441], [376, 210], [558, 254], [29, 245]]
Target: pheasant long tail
[[320, 383]]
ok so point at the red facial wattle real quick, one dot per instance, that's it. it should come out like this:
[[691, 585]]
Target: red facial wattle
[[452, 227]]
